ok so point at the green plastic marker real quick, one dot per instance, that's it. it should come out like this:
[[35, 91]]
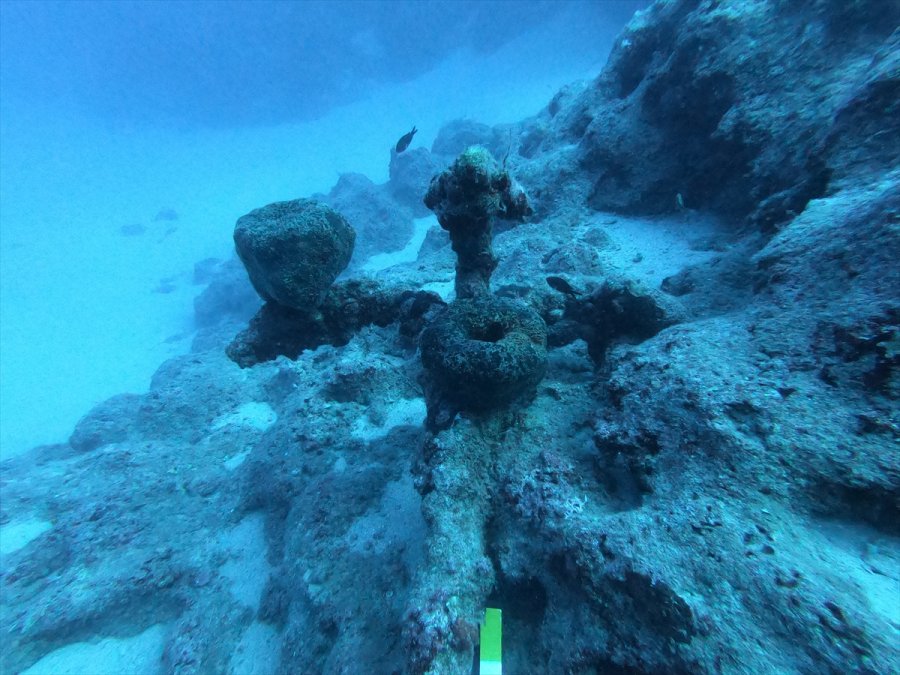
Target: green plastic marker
[[490, 662]]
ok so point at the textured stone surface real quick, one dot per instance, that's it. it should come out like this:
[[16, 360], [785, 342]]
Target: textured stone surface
[[293, 251], [347, 307], [485, 352], [467, 198]]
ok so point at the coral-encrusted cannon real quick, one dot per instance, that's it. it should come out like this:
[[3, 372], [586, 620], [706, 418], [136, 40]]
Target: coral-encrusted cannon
[[467, 198], [481, 352]]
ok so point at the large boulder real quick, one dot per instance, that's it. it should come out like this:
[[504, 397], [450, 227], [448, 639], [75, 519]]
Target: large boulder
[[294, 250]]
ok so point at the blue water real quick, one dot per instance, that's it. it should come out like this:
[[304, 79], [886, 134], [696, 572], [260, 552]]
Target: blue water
[[113, 112]]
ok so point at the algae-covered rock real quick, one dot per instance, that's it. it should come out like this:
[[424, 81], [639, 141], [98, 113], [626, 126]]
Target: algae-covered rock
[[346, 308], [294, 250]]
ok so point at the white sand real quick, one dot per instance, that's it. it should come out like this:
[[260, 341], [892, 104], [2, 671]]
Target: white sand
[[664, 244], [18, 534], [258, 652], [254, 414], [138, 655], [382, 261], [247, 568], [404, 412], [235, 461]]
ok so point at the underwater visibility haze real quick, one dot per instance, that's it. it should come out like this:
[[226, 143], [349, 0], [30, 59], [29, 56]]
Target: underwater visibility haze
[[449, 337]]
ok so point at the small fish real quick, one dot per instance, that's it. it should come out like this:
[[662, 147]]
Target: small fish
[[406, 139], [563, 286]]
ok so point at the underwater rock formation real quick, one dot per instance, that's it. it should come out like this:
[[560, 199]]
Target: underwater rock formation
[[747, 109], [293, 251], [447, 597], [705, 480], [615, 311], [481, 352], [380, 224], [346, 308]]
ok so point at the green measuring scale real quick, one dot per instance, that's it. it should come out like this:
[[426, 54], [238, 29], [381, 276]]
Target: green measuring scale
[[490, 653]]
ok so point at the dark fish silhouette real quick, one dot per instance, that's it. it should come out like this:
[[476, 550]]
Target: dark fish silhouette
[[406, 139], [563, 286]]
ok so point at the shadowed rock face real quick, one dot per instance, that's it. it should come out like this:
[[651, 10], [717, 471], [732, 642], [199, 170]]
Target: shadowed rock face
[[410, 174], [293, 251], [749, 109], [347, 307], [380, 224]]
